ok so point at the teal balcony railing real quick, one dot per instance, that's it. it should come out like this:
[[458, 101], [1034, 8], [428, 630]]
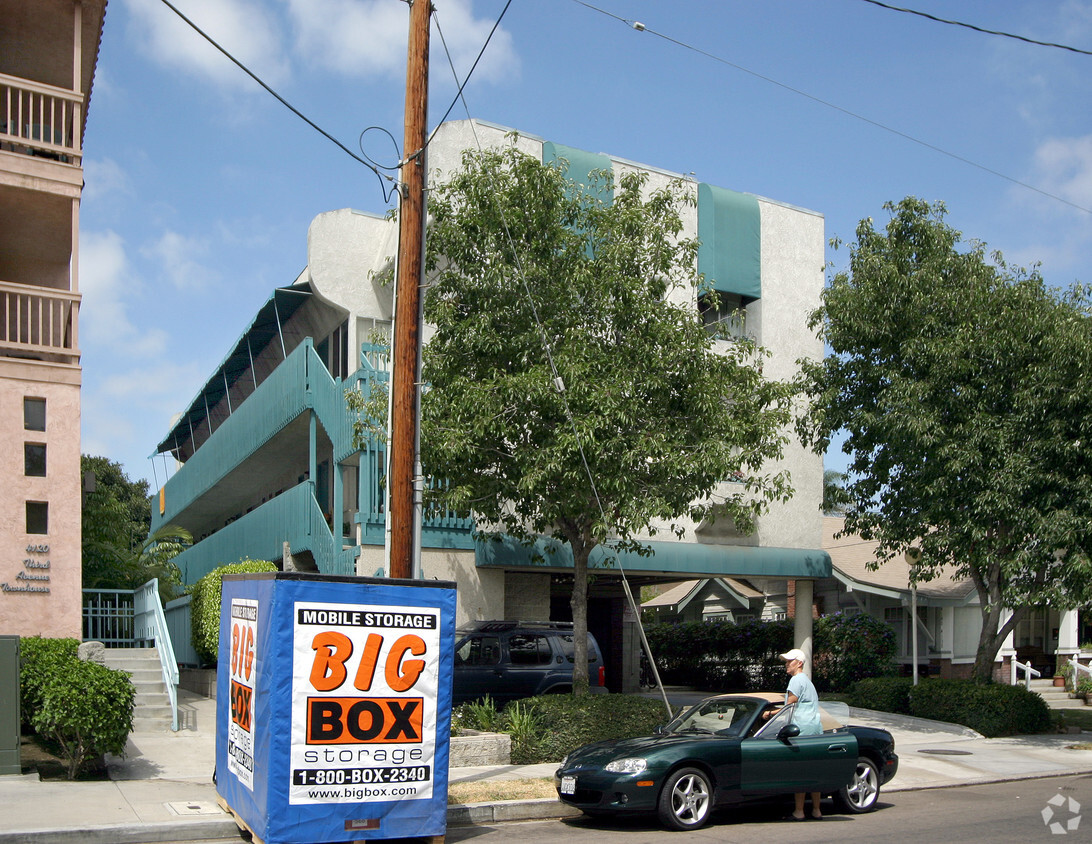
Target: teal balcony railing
[[300, 383], [293, 517]]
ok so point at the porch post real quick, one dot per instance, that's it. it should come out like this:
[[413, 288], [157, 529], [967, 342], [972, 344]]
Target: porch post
[[1068, 644], [802, 621]]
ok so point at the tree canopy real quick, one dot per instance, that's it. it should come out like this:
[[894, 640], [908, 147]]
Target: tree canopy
[[965, 389], [118, 553], [572, 390]]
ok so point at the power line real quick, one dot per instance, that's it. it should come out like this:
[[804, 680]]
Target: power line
[[279, 98], [641, 27], [978, 28]]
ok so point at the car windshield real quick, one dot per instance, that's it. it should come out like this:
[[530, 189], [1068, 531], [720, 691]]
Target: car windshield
[[716, 716]]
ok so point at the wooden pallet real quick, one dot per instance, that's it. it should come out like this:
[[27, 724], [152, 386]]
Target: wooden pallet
[[245, 827]]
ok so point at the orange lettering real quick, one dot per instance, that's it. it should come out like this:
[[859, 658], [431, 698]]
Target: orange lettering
[[332, 650], [402, 675], [368, 660]]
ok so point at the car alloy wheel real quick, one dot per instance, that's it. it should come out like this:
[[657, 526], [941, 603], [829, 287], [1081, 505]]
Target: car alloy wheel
[[686, 799], [863, 792]]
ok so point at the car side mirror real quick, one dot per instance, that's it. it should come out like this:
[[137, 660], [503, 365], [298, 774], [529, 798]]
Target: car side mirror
[[787, 732], [659, 730]]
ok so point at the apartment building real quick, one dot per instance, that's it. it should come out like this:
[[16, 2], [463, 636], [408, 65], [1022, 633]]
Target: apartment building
[[268, 468], [48, 51]]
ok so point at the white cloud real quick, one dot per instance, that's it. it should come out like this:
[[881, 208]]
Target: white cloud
[[103, 176], [177, 257], [106, 282], [365, 37], [245, 28], [1063, 167]]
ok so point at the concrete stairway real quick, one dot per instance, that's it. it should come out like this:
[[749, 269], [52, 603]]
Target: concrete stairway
[[1055, 697], [152, 706]]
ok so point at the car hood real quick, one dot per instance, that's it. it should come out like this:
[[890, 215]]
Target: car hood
[[599, 754]]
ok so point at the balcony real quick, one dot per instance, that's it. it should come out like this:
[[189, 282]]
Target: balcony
[[38, 322], [40, 120]]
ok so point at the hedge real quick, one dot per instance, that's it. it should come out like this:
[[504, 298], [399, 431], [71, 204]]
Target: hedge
[[39, 660], [992, 709], [205, 607]]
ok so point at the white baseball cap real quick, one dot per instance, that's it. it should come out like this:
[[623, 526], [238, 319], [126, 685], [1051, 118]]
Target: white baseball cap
[[795, 653]]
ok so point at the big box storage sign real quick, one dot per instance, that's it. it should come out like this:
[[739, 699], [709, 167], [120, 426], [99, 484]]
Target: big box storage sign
[[334, 705]]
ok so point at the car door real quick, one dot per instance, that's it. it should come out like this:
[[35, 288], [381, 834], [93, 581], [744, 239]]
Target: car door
[[821, 762], [530, 660], [477, 668]]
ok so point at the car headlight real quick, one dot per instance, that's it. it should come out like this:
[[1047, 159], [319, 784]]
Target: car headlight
[[633, 765]]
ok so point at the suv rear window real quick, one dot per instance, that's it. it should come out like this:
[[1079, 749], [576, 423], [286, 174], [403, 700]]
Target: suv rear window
[[568, 645]]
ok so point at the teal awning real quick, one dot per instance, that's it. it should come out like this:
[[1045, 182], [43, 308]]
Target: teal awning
[[688, 559], [730, 231], [581, 165]]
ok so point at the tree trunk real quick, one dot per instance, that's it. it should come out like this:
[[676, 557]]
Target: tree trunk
[[579, 604], [992, 638]]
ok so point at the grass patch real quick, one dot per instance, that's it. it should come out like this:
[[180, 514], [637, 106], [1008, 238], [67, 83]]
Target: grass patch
[[1076, 717], [490, 791]]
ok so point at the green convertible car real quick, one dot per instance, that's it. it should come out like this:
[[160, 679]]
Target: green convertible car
[[723, 751]]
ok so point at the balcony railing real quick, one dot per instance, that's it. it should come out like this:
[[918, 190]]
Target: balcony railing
[[40, 120], [38, 319]]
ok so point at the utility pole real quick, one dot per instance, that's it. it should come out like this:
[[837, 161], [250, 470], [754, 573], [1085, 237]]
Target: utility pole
[[407, 318]]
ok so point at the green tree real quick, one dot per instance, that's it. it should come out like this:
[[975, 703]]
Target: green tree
[[965, 389], [835, 497], [634, 417], [118, 552]]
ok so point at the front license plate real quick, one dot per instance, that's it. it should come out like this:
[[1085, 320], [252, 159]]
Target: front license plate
[[568, 785]]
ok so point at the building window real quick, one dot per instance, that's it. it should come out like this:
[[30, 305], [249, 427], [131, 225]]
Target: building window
[[34, 414], [38, 517], [34, 460], [722, 314]]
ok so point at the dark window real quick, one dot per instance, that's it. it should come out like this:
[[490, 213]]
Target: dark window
[[529, 650], [568, 647], [34, 464], [722, 314], [38, 517], [479, 650], [34, 414]]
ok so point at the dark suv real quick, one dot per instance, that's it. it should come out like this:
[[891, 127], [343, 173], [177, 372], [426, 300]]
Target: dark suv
[[508, 660]]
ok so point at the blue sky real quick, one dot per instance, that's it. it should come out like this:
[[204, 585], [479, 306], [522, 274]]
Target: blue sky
[[200, 186]]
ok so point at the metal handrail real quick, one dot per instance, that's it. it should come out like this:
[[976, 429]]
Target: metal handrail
[[1029, 672], [150, 624]]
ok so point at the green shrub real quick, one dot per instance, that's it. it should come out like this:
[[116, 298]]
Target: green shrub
[[205, 607], [990, 708], [1084, 687], [721, 655], [478, 715], [849, 648], [563, 723], [87, 709], [884, 694], [38, 661]]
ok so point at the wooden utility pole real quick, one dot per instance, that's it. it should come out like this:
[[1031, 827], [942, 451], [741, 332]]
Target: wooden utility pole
[[407, 317]]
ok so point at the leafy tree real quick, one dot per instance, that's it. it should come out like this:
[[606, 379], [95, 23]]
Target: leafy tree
[[634, 417], [118, 553], [965, 388], [835, 497]]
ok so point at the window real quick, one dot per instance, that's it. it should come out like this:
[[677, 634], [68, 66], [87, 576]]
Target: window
[[529, 650], [724, 318], [479, 650], [34, 460], [38, 517], [34, 414]]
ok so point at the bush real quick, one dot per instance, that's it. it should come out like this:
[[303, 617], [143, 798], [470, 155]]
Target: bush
[[720, 655], [990, 708], [87, 709], [39, 660], [884, 694], [205, 607], [547, 728], [849, 648]]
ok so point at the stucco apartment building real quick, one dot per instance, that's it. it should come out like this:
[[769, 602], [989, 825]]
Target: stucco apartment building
[[48, 51], [268, 468]]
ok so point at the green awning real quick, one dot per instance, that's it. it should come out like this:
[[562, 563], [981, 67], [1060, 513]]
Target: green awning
[[581, 165], [688, 559], [730, 231]]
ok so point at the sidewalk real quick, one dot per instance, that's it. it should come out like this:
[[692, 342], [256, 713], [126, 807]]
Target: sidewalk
[[163, 791]]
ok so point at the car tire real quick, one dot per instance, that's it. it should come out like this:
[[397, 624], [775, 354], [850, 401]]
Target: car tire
[[863, 791], [686, 800]]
